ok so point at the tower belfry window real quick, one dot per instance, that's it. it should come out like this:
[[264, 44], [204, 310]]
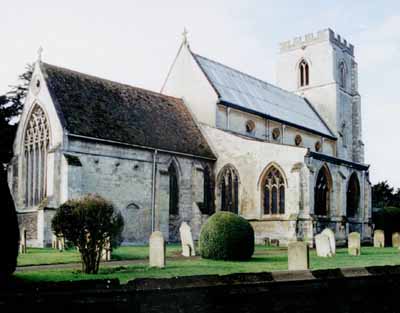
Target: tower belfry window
[[342, 73], [304, 73]]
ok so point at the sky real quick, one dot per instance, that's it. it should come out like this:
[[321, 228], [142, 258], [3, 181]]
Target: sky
[[135, 42]]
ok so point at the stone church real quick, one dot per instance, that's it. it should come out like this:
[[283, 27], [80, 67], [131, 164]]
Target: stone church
[[289, 158]]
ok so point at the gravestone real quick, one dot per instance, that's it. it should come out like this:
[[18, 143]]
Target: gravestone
[[298, 256], [157, 250], [106, 252], [61, 243], [22, 242], [323, 245], [186, 240], [331, 235], [396, 240], [379, 238], [54, 241], [354, 244]]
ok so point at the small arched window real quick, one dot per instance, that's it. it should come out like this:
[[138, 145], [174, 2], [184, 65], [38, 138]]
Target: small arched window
[[173, 190], [36, 145], [342, 74], [229, 189], [274, 192], [304, 73]]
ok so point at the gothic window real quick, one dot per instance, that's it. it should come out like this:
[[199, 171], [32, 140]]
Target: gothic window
[[274, 192], [173, 190], [322, 192], [208, 203], [353, 196], [36, 144], [342, 73], [229, 189], [304, 73]]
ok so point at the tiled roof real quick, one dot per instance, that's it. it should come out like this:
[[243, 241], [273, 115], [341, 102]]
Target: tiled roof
[[254, 95], [94, 107]]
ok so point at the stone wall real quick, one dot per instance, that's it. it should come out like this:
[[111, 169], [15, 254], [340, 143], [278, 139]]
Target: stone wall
[[371, 289]]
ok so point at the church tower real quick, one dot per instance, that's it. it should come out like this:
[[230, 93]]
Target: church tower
[[321, 67]]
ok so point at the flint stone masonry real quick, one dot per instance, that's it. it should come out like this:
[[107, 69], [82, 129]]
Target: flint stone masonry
[[354, 244], [157, 250], [298, 256], [187, 240], [331, 235], [323, 246], [379, 238]]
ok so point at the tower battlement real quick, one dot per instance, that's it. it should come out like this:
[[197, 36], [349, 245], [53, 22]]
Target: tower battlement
[[320, 36]]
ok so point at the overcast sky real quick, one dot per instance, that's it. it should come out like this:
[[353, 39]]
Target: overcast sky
[[135, 42]]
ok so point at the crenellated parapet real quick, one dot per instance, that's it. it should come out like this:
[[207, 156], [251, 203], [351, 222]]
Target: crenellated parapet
[[313, 38]]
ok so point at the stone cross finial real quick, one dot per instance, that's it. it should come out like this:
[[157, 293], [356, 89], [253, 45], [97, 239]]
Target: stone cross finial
[[184, 35], [40, 51]]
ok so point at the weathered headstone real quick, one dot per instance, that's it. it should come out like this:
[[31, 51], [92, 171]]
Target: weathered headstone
[[298, 256], [186, 240], [157, 250], [379, 238], [331, 235], [106, 252], [354, 244], [323, 245], [396, 240], [22, 241]]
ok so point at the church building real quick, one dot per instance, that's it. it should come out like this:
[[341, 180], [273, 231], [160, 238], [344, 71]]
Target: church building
[[288, 158]]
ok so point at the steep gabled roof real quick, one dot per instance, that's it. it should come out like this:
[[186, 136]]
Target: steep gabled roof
[[94, 107], [245, 92]]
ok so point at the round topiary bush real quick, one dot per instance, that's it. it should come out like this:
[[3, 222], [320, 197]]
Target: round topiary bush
[[226, 236]]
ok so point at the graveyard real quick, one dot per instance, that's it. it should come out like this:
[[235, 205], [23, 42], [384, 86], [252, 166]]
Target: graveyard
[[135, 263]]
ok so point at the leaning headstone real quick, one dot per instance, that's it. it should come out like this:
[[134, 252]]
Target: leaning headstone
[[323, 245], [106, 252], [396, 240], [157, 250], [354, 244], [186, 240], [22, 241], [331, 235], [379, 238], [298, 256]]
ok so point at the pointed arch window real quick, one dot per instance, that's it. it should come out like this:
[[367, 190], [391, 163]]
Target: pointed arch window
[[322, 192], [173, 190], [36, 144], [229, 189], [353, 196], [304, 73], [342, 74], [274, 192], [208, 203]]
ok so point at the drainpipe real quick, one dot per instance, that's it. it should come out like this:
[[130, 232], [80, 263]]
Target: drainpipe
[[153, 191]]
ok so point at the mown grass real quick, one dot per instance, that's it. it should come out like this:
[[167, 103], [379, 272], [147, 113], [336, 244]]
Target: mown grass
[[264, 260]]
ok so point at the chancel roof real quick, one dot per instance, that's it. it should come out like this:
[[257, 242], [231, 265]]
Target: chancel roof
[[98, 108], [245, 92]]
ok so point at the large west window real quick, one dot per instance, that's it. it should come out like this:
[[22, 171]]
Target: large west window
[[36, 145], [273, 192]]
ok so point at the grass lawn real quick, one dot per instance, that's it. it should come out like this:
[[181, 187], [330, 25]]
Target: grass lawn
[[264, 259]]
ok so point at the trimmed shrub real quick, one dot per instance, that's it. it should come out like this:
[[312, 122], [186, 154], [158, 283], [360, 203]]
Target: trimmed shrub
[[226, 236], [387, 219], [8, 230], [88, 223]]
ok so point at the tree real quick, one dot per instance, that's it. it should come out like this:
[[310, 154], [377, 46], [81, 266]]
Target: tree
[[383, 195], [88, 222], [8, 230]]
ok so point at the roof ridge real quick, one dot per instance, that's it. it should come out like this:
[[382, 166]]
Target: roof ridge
[[110, 81], [249, 76]]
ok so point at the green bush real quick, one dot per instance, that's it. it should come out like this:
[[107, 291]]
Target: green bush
[[226, 236], [88, 223], [387, 219]]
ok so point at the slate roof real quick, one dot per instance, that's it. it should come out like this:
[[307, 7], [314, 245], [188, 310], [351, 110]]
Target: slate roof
[[245, 92], [94, 107]]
